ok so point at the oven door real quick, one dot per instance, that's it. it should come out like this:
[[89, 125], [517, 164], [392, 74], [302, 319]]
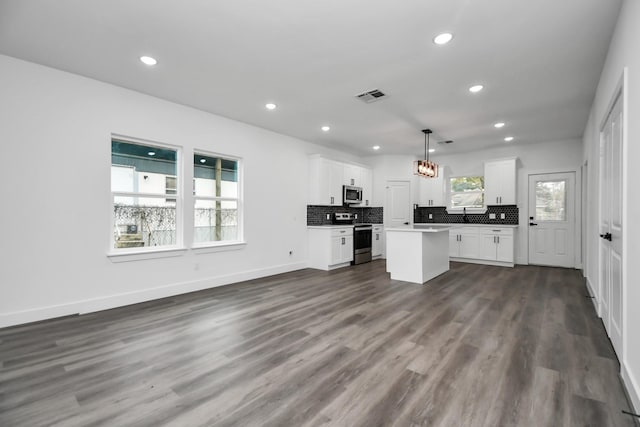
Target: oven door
[[362, 237]]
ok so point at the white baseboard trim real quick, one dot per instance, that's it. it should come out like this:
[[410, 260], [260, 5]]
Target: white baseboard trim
[[120, 300], [593, 294], [632, 387], [482, 261]]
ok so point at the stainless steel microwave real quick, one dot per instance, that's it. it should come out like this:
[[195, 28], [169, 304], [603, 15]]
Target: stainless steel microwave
[[351, 195]]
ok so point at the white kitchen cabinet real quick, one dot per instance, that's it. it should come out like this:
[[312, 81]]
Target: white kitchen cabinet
[[377, 241], [330, 247], [497, 245], [367, 187], [352, 175], [464, 242], [500, 182], [432, 190], [325, 182]]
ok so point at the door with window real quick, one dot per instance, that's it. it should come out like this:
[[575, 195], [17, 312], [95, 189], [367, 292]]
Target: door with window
[[552, 219]]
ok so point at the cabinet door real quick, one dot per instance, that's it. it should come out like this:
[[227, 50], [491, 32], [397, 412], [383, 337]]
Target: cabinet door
[[346, 249], [431, 191], [336, 250], [488, 246], [376, 244], [367, 187], [492, 184], [453, 244], [334, 178], [352, 175], [469, 245], [508, 189], [500, 182], [505, 249]]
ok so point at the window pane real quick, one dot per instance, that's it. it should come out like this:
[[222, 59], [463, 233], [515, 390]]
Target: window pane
[[467, 192], [143, 222], [551, 201], [215, 220], [214, 176], [141, 168]]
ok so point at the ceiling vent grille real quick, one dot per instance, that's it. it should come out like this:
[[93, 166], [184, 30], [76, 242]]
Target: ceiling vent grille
[[446, 142], [371, 96]]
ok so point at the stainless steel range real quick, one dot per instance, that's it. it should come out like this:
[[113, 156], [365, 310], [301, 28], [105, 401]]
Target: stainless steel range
[[362, 236]]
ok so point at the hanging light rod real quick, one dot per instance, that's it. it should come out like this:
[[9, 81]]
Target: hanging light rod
[[426, 168]]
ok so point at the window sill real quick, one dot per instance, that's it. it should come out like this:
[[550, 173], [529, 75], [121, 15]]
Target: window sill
[[218, 247], [460, 211], [126, 256]]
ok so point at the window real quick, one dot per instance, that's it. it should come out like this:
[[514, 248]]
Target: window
[[466, 192], [141, 178], [216, 199], [551, 200]]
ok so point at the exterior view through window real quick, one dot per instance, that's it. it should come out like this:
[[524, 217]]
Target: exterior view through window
[[466, 192], [216, 194], [144, 188]]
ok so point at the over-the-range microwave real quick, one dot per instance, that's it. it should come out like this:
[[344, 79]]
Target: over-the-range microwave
[[351, 195]]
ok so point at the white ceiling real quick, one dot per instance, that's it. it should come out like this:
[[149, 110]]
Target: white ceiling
[[539, 62]]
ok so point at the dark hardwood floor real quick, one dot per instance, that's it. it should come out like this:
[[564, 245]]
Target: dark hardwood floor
[[477, 346]]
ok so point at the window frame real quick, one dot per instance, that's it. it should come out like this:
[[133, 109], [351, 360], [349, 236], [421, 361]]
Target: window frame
[[148, 252], [215, 246], [470, 210]]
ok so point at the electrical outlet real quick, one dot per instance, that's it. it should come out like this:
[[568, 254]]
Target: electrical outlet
[[356, 216], [492, 216], [502, 216], [328, 216], [430, 216]]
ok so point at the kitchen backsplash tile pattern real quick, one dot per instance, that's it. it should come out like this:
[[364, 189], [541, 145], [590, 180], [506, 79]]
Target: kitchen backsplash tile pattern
[[317, 214], [440, 215]]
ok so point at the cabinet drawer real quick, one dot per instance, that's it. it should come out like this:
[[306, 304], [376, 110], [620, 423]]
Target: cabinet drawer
[[342, 232], [500, 231]]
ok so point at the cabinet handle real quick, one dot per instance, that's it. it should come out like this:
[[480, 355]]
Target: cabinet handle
[[498, 239], [331, 199], [343, 240], [500, 199], [367, 203], [342, 231], [353, 181], [497, 202], [377, 237]]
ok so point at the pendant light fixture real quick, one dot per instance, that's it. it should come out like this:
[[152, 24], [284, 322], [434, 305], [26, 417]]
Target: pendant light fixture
[[425, 168]]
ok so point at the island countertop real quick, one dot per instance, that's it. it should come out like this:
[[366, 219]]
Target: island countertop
[[419, 228]]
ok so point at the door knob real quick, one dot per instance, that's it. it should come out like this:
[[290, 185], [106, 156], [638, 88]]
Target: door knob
[[606, 236]]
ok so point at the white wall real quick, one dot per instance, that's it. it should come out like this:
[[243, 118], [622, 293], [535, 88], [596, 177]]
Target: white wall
[[623, 52], [55, 129], [559, 156]]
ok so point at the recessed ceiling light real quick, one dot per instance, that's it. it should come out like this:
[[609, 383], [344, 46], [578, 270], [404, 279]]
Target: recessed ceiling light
[[325, 128], [271, 106], [147, 60], [203, 160], [509, 139], [376, 147], [498, 125], [443, 38], [476, 88], [151, 153], [432, 150]]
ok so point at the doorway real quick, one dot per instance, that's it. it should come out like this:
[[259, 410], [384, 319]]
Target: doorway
[[552, 219], [397, 210], [610, 247]]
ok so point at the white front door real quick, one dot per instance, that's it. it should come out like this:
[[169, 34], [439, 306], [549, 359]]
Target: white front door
[[397, 211], [611, 226], [552, 219]]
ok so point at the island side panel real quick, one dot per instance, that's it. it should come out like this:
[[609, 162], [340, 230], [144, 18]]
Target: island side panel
[[404, 256], [435, 254]]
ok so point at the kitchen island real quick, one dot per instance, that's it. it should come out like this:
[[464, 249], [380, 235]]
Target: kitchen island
[[417, 253]]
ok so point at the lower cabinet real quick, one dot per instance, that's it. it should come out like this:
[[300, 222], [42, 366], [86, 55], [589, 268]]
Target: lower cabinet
[[497, 245], [377, 241], [330, 247], [484, 245]]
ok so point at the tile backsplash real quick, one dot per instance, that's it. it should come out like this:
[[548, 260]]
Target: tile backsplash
[[317, 214], [440, 215]]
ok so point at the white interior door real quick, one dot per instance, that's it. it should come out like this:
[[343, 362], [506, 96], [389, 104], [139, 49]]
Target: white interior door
[[611, 226], [397, 210], [552, 219]]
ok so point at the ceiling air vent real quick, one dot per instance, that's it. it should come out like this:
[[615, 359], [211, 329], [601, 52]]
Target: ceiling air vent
[[446, 142], [371, 96]]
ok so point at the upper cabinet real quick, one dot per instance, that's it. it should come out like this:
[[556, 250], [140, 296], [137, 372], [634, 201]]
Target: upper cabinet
[[327, 177], [432, 190], [500, 182]]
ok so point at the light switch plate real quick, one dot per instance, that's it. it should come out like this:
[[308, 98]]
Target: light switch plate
[[328, 216], [492, 216], [430, 216], [502, 216]]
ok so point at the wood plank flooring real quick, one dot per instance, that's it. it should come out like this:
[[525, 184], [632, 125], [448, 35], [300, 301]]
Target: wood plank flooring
[[477, 346]]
